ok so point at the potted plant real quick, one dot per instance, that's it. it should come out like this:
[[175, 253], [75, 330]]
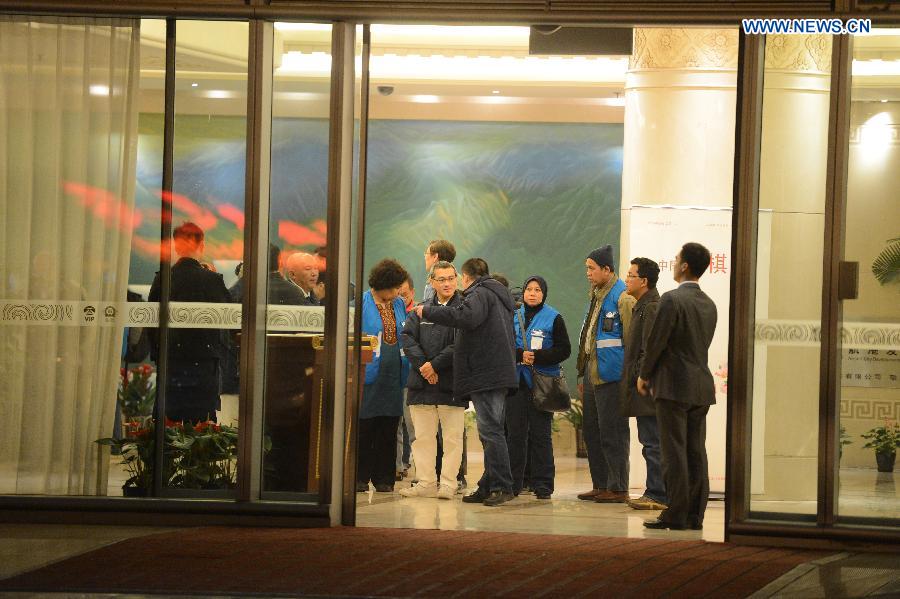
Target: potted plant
[[575, 416], [884, 440]]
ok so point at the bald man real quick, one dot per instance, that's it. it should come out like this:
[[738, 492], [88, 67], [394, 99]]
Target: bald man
[[303, 270]]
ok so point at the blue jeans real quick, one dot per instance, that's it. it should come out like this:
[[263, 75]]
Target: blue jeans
[[490, 407], [528, 436], [606, 435], [648, 435]]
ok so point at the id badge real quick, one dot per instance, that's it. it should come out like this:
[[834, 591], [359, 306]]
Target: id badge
[[609, 322], [537, 340]]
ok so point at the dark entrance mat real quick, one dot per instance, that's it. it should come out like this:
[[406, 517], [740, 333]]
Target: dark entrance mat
[[406, 563]]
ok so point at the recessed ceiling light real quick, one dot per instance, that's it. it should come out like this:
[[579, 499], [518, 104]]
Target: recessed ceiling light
[[195, 84], [883, 101], [99, 90], [495, 91]]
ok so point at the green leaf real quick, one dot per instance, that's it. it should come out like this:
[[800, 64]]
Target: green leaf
[[886, 266]]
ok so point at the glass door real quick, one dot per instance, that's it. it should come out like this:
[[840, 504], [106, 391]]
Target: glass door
[[869, 358]]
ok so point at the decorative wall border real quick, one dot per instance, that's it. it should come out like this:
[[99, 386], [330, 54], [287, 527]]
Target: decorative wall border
[[861, 335], [182, 315], [870, 409]]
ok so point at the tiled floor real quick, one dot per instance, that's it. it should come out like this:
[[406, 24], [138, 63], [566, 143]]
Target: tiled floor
[[563, 514]]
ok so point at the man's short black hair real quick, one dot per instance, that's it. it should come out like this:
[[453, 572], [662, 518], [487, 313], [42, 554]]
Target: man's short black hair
[[274, 253], [443, 248], [189, 231], [387, 274], [647, 269], [475, 267], [696, 257]]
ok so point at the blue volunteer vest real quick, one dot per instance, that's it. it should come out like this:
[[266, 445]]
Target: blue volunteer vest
[[608, 344], [541, 326], [371, 325]]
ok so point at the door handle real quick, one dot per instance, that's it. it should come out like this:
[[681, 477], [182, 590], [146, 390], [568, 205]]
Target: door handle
[[848, 280]]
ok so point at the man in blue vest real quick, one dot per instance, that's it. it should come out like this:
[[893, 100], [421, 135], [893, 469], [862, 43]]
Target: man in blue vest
[[600, 359]]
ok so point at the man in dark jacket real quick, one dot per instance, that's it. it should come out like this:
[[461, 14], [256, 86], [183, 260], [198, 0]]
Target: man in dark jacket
[[484, 369], [676, 372], [640, 283], [192, 385], [429, 348]]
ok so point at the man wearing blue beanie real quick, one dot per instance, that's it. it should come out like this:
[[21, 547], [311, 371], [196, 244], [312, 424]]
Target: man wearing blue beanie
[[600, 359]]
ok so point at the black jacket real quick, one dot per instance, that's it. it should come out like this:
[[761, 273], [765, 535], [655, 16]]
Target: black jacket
[[484, 355], [633, 403], [192, 283], [426, 341]]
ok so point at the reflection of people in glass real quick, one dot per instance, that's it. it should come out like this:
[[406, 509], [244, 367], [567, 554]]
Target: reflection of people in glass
[[303, 270], [383, 316], [192, 380]]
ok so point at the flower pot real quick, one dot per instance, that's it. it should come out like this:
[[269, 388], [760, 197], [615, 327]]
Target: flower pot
[[580, 447], [885, 461], [134, 491]]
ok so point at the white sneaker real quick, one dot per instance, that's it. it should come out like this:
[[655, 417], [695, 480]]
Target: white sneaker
[[419, 491], [446, 492]]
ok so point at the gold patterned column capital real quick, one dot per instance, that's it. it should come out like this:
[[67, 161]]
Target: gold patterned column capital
[[799, 53], [670, 48]]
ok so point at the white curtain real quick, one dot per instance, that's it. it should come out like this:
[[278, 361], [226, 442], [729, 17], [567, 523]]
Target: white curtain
[[68, 133]]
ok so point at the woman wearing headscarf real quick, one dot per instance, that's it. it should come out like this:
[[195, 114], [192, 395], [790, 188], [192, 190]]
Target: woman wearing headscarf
[[383, 317], [544, 347]]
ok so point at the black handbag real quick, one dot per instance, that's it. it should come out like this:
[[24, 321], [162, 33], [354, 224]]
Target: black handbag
[[548, 393]]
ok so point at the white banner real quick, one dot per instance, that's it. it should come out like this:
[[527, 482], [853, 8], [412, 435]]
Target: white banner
[[658, 233]]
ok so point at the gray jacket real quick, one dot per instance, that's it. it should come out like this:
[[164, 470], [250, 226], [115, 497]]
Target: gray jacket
[[676, 355]]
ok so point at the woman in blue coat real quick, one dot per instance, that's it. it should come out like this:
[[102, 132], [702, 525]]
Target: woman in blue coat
[[383, 317], [545, 346]]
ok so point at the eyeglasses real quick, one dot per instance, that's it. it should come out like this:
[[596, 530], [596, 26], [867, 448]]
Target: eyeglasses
[[440, 280], [631, 276]]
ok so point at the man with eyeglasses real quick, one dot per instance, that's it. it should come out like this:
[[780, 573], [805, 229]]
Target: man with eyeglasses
[[429, 348], [640, 283], [438, 250]]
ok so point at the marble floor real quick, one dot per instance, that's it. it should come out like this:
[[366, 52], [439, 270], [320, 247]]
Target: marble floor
[[563, 514], [863, 493]]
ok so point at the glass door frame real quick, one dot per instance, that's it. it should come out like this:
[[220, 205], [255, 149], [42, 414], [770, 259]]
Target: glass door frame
[[739, 525]]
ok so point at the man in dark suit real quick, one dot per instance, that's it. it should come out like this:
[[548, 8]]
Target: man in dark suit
[[192, 385], [676, 372]]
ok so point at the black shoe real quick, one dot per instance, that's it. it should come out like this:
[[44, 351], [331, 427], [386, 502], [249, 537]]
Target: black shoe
[[384, 488], [362, 487], [498, 497], [662, 525], [543, 494], [477, 497]]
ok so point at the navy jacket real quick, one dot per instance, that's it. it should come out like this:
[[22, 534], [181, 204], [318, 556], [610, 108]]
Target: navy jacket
[[484, 355], [426, 341]]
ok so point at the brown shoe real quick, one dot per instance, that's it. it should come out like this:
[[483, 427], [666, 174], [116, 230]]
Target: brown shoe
[[589, 495], [611, 497], [645, 503]]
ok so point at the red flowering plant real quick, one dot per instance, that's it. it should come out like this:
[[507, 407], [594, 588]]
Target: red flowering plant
[[203, 455]]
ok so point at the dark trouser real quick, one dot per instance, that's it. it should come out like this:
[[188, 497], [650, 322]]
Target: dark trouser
[[528, 436], [490, 407], [606, 435], [192, 391], [682, 435], [648, 435], [377, 450]]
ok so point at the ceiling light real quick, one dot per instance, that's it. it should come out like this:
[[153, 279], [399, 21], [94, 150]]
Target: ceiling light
[[883, 101], [425, 99], [195, 84], [302, 27], [495, 91], [219, 94], [99, 90], [876, 68]]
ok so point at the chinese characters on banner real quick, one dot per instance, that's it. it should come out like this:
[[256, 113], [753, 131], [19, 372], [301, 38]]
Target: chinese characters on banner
[[870, 368], [658, 232]]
